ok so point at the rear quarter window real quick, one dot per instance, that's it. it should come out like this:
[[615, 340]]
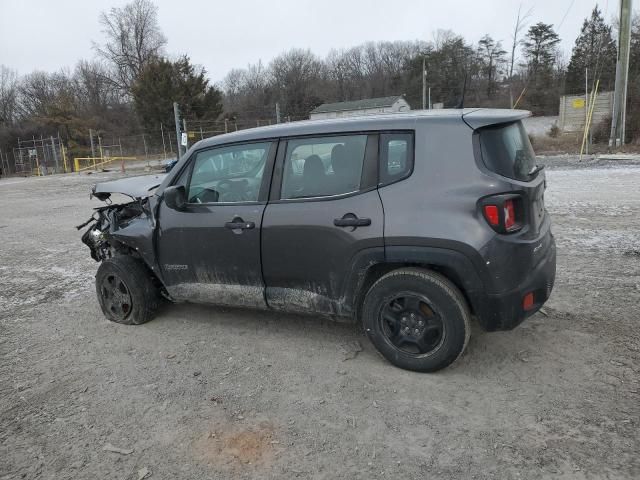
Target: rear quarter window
[[507, 151], [396, 157]]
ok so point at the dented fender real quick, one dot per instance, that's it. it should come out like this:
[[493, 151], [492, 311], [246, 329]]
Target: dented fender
[[127, 228]]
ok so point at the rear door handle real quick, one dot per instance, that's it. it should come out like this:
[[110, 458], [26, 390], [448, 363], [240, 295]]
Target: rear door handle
[[351, 220], [239, 224]]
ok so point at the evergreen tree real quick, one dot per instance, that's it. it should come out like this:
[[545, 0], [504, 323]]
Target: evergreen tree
[[539, 48], [163, 82], [492, 59], [633, 89], [540, 53], [594, 50]]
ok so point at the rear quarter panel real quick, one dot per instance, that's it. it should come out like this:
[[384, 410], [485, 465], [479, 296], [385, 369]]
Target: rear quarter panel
[[437, 203], [437, 206]]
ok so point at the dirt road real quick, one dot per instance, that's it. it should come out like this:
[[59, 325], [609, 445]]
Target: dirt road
[[201, 393]]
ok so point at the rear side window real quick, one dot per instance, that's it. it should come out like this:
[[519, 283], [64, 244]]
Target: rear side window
[[318, 167], [396, 156], [506, 150]]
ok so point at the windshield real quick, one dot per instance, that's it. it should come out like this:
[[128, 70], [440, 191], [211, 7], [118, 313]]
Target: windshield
[[507, 151]]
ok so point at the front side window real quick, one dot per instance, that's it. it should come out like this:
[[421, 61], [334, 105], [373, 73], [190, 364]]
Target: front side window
[[228, 174], [317, 167]]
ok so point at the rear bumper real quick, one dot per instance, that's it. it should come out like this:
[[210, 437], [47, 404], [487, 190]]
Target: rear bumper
[[504, 311]]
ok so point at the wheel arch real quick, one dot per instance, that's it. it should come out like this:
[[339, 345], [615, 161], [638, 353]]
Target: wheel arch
[[452, 264]]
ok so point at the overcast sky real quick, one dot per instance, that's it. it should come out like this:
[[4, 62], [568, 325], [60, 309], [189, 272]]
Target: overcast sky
[[220, 35]]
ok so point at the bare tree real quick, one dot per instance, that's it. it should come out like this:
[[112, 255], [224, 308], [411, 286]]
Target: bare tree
[[521, 23], [295, 75], [8, 95], [94, 91], [133, 39]]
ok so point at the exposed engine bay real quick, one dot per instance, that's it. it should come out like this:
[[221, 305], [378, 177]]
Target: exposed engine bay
[[125, 228], [106, 221]]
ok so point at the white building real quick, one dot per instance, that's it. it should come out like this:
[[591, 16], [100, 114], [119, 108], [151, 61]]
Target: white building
[[356, 108]]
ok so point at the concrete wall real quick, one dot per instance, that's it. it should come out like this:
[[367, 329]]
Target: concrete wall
[[399, 106], [573, 111]]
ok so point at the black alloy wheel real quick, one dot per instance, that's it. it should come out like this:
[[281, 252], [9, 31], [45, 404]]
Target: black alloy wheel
[[116, 296], [411, 324]]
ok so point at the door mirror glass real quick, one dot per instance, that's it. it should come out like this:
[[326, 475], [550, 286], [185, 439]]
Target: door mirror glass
[[175, 197]]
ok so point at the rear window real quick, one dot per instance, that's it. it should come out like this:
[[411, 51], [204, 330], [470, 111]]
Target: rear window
[[507, 151]]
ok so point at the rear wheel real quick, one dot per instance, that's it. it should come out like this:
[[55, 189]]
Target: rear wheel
[[417, 319], [125, 290]]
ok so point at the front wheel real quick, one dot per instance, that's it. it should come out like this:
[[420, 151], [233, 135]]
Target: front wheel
[[125, 290], [417, 319]]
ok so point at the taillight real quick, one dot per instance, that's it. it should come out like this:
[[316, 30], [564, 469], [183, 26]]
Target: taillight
[[504, 213], [527, 301], [509, 216], [491, 214]]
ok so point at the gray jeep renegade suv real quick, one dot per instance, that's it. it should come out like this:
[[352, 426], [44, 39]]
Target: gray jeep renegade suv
[[411, 223]]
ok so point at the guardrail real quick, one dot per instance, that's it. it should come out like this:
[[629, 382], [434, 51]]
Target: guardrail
[[96, 162]]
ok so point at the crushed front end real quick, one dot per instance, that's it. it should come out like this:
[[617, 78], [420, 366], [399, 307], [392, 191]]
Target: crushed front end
[[124, 228], [107, 221]]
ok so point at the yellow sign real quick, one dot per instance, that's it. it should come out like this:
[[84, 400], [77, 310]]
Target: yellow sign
[[578, 103], [192, 134]]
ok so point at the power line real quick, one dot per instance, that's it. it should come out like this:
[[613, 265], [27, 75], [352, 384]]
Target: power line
[[565, 15]]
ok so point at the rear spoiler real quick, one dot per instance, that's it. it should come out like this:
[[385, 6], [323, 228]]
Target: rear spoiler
[[483, 117]]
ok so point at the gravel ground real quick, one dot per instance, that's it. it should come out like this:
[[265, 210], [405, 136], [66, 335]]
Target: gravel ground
[[219, 393]]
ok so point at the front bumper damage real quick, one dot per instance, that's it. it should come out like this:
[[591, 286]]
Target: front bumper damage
[[124, 228]]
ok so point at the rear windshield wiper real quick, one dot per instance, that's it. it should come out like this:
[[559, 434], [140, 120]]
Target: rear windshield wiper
[[535, 170]]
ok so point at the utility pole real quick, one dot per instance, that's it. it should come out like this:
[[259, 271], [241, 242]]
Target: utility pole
[[622, 76], [586, 106], [93, 149], [176, 115], [277, 112], [424, 84]]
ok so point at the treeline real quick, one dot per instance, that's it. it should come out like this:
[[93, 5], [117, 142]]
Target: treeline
[[129, 87], [132, 82], [530, 72]]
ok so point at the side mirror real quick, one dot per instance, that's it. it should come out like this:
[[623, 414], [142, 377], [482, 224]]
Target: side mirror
[[175, 197]]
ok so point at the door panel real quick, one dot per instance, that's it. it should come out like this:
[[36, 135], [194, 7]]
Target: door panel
[[325, 211], [306, 257], [210, 251], [204, 261]]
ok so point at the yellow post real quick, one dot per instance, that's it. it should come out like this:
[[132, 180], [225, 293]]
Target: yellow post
[[587, 124], [76, 162], [520, 97], [64, 158]]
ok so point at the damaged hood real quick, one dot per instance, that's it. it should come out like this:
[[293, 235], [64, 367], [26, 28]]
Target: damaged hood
[[134, 187]]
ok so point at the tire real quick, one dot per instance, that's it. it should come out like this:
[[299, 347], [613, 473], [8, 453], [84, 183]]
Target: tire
[[417, 319], [126, 292]]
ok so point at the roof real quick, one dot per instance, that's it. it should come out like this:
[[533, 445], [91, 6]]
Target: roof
[[357, 104], [474, 117]]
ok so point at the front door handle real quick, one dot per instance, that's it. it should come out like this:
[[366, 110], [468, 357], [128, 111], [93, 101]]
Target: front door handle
[[351, 220], [239, 224]]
